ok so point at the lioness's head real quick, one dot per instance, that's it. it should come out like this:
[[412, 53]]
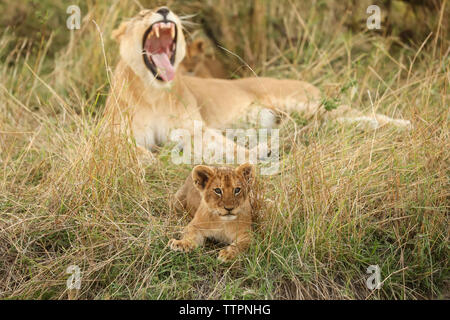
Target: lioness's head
[[224, 190], [152, 44]]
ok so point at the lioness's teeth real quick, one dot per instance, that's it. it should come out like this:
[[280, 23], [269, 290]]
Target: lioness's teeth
[[157, 31], [172, 31]]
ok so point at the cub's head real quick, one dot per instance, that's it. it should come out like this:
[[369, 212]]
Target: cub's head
[[195, 55], [225, 190], [200, 60], [152, 44]]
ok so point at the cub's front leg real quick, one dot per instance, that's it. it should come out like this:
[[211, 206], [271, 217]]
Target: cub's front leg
[[238, 246], [191, 239]]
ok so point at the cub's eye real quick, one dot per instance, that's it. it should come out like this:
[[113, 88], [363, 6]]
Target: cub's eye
[[218, 191], [237, 191]]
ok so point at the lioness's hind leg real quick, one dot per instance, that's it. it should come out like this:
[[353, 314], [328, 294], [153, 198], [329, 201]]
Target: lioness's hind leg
[[346, 114]]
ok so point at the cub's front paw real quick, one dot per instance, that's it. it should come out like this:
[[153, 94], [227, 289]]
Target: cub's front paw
[[228, 254], [181, 245]]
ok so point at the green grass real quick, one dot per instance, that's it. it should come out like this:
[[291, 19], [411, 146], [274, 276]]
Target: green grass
[[343, 200]]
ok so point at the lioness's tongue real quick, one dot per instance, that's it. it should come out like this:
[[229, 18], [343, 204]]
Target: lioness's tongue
[[166, 70]]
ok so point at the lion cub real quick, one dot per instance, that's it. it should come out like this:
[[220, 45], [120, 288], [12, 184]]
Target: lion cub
[[218, 200], [200, 61]]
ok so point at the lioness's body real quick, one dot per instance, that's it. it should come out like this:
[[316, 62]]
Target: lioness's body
[[224, 216], [154, 112], [154, 107]]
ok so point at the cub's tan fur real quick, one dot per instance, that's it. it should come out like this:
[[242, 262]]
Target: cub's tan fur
[[199, 63], [152, 107], [219, 202]]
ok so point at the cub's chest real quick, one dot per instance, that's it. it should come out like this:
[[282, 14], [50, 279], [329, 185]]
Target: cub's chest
[[225, 232]]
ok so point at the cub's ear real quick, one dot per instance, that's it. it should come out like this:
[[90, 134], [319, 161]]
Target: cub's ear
[[118, 33], [199, 46], [201, 175], [247, 171]]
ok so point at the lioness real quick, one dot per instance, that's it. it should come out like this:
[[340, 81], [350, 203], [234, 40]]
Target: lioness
[[149, 93], [218, 200]]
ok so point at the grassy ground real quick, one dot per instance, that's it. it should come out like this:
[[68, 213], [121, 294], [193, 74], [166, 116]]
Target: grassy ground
[[344, 199]]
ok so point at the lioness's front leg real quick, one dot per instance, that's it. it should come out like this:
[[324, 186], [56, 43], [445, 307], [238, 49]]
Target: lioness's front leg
[[230, 252], [191, 239]]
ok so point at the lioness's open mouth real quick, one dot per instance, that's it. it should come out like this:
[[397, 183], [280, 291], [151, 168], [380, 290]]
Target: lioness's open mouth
[[159, 49]]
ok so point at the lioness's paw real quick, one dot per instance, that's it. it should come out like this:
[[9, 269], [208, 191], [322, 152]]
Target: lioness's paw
[[228, 254], [405, 124], [181, 245], [145, 157]]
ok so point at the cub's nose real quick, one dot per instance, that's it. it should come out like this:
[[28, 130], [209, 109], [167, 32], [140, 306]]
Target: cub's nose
[[228, 209], [164, 11]]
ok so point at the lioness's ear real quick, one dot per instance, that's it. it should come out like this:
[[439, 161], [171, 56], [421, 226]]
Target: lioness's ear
[[247, 171], [201, 175], [117, 33]]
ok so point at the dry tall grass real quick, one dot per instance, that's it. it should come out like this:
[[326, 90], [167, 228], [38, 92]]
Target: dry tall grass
[[344, 199]]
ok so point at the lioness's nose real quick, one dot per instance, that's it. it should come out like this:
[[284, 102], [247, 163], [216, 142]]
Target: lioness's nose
[[164, 11], [228, 209]]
